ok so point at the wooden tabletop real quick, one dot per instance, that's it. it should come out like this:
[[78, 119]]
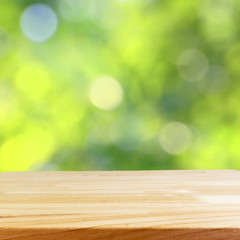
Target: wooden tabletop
[[120, 205]]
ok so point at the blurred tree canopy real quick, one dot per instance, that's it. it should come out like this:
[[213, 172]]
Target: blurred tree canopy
[[119, 84]]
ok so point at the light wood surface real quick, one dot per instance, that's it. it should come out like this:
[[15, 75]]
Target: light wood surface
[[124, 205]]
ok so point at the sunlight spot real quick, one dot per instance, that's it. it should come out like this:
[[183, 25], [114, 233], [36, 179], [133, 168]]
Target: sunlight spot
[[33, 146], [218, 21], [192, 65], [215, 9], [33, 81], [175, 137], [215, 82], [106, 93]]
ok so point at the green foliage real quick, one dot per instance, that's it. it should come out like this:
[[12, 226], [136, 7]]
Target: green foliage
[[119, 84]]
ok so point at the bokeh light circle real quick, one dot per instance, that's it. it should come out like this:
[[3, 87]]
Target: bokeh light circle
[[215, 82], [33, 81], [218, 23], [106, 93], [31, 146], [39, 22], [192, 65], [175, 137]]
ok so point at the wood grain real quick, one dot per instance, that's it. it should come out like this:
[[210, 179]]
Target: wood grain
[[124, 205]]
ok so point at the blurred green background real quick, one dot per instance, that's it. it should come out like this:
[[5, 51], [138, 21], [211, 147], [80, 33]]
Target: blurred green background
[[119, 84]]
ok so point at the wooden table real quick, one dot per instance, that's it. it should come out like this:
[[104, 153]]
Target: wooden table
[[149, 205]]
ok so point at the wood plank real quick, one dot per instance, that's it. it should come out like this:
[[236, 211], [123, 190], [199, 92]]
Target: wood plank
[[149, 205]]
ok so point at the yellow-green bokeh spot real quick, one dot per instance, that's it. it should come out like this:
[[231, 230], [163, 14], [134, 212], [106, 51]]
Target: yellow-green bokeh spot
[[33, 146], [33, 81]]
